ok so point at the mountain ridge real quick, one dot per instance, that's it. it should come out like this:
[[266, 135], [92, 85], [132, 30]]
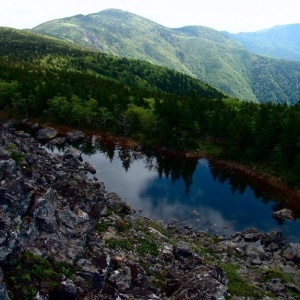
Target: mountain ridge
[[280, 41], [198, 51]]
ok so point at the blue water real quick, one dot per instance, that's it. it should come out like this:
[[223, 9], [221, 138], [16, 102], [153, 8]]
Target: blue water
[[193, 192]]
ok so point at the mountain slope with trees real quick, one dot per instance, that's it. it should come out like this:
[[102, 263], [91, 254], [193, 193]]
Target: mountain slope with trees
[[280, 41], [195, 50], [52, 80]]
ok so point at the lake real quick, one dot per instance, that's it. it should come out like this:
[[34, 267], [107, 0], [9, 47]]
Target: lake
[[192, 191]]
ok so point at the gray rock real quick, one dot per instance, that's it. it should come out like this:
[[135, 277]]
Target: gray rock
[[7, 168], [252, 237], [35, 126], [38, 296], [275, 286], [89, 167], [72, 153], [75, 136], [116, 203], [121, 279], [276, 238], [256, 262], [95, 271], [183, 249], [67, 290], [45, 212], [48, 133], [167, 253], [284, 214], [58, 141]]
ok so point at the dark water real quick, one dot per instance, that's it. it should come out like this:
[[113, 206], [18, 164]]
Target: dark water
[[191, 191]]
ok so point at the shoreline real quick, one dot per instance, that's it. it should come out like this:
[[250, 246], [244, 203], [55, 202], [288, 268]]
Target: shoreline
[[278, 188], [281, 190], [57, 221]]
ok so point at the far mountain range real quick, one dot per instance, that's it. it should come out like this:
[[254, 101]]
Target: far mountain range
[[261, 66]]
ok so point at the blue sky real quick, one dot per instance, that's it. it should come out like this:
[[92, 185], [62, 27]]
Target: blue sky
[[230, 15]]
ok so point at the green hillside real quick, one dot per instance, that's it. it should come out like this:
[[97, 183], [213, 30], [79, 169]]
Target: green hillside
[[53, 53], [197, 51], [280, 41], [55, 81]]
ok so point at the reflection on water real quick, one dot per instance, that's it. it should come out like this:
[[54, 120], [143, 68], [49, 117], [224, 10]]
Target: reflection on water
[[194, 192]]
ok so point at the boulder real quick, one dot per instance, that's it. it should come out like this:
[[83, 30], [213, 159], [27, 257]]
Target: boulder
[[45, 213], [89, 167], [275, 239], [283, 214], [72, 153], [58, 141], [275, 286], [94, 271], [48, 133], [183, 249], [75, 136], [67, 290]]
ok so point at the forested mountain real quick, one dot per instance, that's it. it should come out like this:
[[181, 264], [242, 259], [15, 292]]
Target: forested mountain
[[48, 53], [197, 51], [52, 80], [280, 41], [42, 76]]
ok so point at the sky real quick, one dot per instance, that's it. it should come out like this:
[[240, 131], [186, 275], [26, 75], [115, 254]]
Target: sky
[[228, 15]]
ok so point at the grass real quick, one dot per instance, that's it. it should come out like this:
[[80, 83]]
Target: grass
[[14, 154], [31, 273], [236, 285]]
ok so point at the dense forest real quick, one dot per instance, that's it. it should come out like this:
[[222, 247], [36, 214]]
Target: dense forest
[[50, 80]]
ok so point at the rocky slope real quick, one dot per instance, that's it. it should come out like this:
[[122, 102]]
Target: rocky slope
[[62, 236]]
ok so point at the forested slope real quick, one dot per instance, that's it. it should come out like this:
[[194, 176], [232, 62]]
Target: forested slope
[[52, 80], [282, 41], [199, 51]]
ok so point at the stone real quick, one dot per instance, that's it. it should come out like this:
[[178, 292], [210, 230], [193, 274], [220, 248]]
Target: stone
[[48, 133], [167, 253], [35, 126], [45, 212], [183, 249], [283, 214], [252, 237], [94, 271], [275, 286], [72, 153], [58, 141], [89, 167], [67, 290], [256, 262], [75, 136], [121, 279], [39, 296], [275, 237]]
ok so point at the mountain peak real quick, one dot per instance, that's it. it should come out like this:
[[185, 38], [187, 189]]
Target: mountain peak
[[197, 51]]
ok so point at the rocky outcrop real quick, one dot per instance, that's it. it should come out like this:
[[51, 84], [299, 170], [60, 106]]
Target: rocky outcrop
[[81, 242]]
